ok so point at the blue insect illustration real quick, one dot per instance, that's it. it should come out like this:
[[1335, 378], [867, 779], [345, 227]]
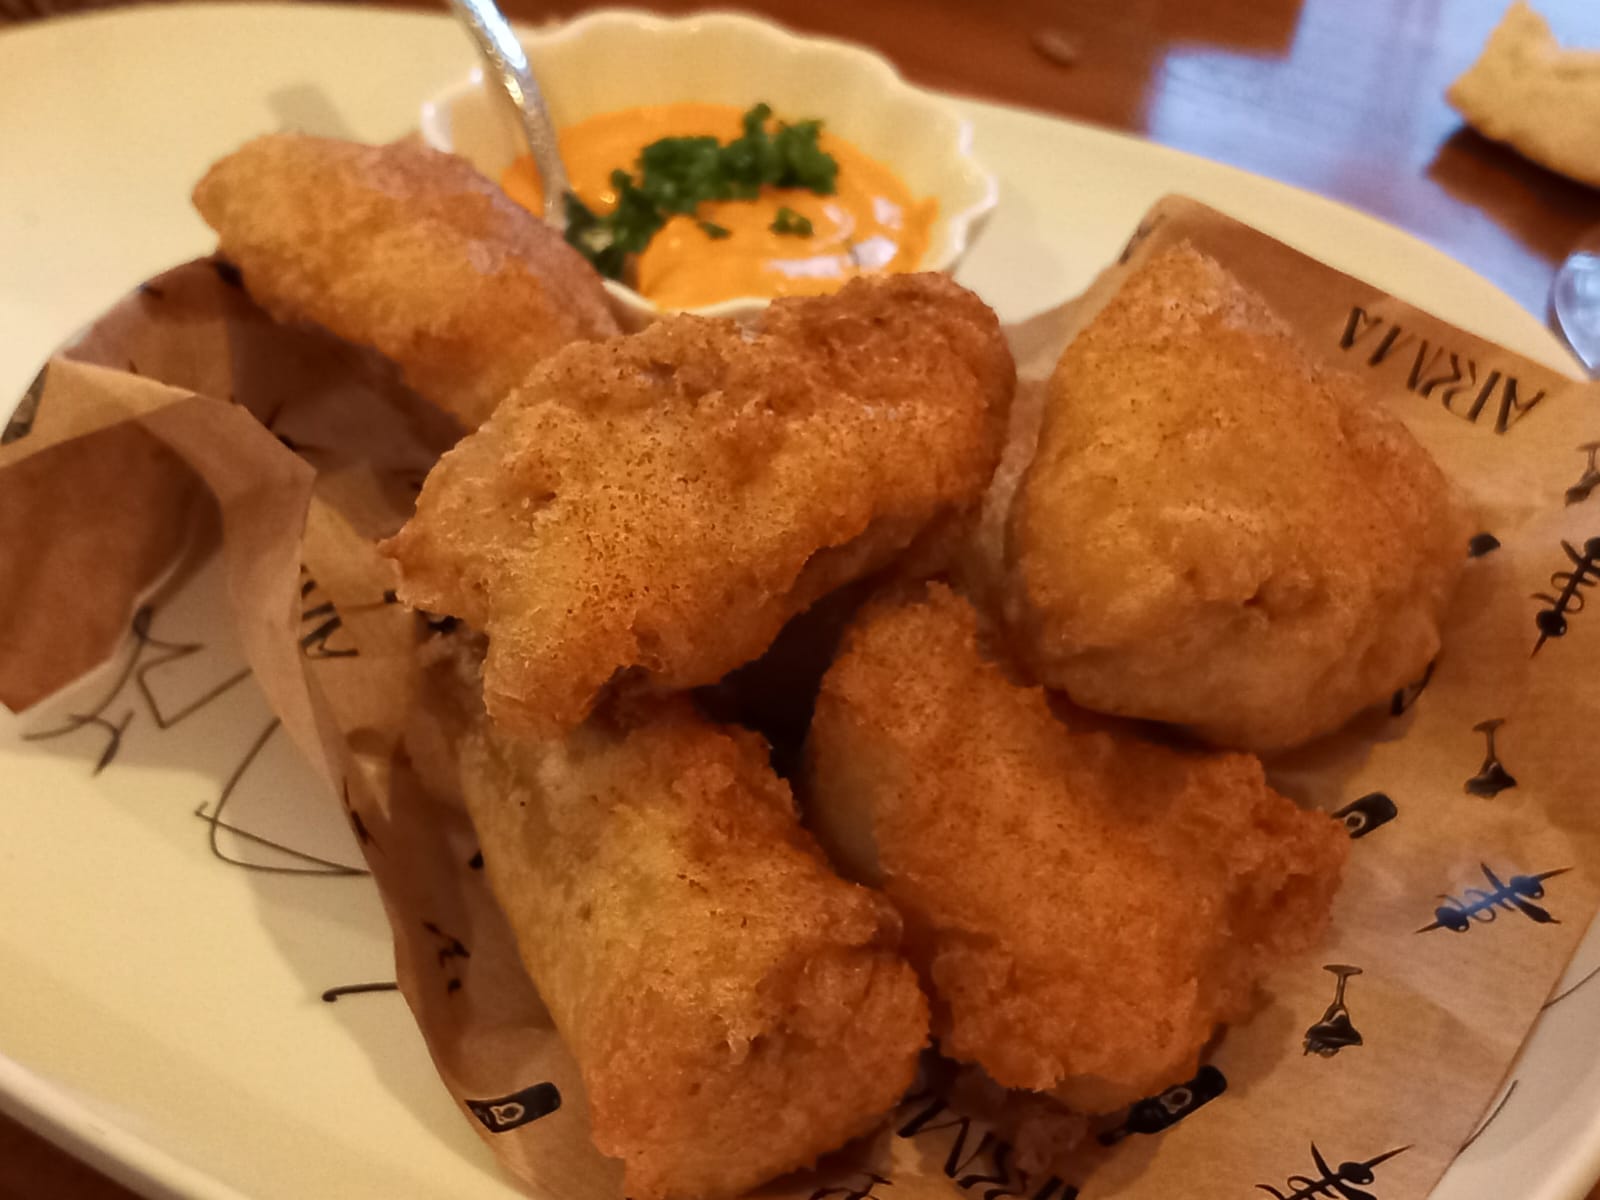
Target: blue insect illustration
[[1344, 1182], [1483, 905]]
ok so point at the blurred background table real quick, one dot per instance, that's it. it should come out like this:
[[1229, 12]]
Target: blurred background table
[[1342, 97]]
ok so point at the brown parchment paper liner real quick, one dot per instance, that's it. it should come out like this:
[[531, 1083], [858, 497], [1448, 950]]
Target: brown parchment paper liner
[[312, 449]]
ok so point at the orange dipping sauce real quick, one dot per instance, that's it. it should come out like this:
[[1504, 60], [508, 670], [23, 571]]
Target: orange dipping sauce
[[870, 225]]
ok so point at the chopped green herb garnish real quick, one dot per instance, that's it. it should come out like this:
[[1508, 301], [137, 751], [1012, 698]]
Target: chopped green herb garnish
[[791, 222], [678, 174], [712, 230], [608, 240]]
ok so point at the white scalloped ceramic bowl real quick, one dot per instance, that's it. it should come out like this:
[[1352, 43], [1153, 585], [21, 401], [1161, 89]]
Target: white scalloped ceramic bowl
[[621, 58]]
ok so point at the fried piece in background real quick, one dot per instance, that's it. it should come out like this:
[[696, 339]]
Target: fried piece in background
[[1085, 907], [735, 1008], [1540, 99], [649, 511], [1219, 533], [407, 250]]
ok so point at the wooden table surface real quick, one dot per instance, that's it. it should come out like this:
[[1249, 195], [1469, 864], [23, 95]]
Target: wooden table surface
[[1343, 97]]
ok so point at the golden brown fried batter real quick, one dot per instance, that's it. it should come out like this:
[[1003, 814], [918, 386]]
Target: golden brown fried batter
[[1216, 531], [407, 250], [1085, 907], [735, 1008], [659, 505]]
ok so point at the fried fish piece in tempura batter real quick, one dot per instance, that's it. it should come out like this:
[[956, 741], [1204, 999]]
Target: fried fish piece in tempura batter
[[407, 250], [1216, 531], [651, 509], [1084, 907], [735, 1008]]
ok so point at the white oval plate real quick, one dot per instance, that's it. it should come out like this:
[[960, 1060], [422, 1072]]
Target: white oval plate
[[159, 1010]]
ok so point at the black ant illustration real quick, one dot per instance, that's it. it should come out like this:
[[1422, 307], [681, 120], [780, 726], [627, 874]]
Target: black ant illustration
[[450, 947], [1155, 1113], [1334, 1032], [1370, 812], [1492, 777], [1552, 620], [357, 825], [1405, 697], [1333, 1182], [1483, 906], [1590, 479]]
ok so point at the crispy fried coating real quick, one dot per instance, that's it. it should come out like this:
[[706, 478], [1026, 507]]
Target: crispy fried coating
[[1216, 531], [651, 509], [1540, 98], [1084, 906], [735, 1008], [407, 250]]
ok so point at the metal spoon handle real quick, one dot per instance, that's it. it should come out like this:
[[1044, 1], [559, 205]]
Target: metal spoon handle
[[503, 55]]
